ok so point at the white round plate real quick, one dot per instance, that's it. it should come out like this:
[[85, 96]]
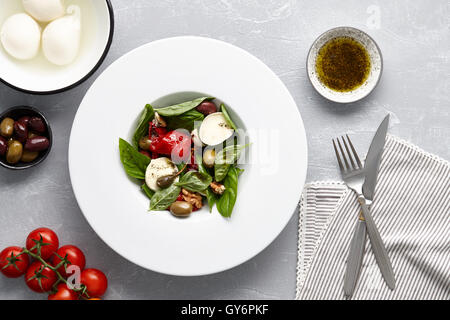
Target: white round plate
[[175, 70], [376, 61], [38, 76]]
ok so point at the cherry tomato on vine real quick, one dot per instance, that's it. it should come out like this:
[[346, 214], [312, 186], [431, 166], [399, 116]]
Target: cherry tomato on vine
[[74, 255], [40, 278], [95, 281], [63, 293], [44, 238], [11, 264]]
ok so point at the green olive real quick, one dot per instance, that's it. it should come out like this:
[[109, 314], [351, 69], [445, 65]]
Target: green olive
[[14, 153], [29, 156], [166, 181], [209, 158], [145, 143], [181, 209], [7, 127]]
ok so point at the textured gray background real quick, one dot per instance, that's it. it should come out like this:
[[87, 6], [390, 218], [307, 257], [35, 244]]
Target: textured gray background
[[414, 37]]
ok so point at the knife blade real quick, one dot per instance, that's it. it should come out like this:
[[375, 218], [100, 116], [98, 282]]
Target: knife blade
[[357, 246]]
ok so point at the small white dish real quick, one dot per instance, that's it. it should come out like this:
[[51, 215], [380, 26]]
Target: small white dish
[[375, 58], [39, 76], [171, 71]]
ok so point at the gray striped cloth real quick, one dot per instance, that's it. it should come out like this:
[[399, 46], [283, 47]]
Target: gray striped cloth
[[412, 211]]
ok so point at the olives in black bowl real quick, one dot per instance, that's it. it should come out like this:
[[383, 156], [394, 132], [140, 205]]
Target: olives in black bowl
[[25, 138]]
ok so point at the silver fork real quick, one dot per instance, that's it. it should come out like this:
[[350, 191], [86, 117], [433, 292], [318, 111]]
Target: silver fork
[[354, 176]]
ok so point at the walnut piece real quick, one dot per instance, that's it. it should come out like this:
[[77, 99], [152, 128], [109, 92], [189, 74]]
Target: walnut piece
[[158, 121], [217, 188], [193, 198]]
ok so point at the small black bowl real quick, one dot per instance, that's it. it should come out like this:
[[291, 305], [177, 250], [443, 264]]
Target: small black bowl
[[16, 113]]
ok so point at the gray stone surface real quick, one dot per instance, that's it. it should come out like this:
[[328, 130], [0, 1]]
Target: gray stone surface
[[414, 37]]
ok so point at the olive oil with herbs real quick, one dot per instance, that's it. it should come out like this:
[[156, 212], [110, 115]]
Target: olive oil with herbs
[[343, 64]]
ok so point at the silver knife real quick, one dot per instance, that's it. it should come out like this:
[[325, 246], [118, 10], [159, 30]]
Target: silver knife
[[357, 245]]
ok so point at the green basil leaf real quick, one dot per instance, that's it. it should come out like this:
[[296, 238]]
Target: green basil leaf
[[143, 125], [227, 116], [224, 159], [221, 171], [181, 108], [134, 163], [195, 181], [212, 198], [184, 121], [148, 192], [162, 199], [226, 202]]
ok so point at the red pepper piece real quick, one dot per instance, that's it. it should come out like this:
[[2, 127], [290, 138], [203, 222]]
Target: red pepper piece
[[173, 143]]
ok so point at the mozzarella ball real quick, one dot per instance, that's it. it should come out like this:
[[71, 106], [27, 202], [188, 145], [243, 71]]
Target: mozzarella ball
[[21, 36], [44, 10], [61, 38]]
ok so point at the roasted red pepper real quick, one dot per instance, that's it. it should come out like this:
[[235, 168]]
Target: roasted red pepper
[[173, 143]]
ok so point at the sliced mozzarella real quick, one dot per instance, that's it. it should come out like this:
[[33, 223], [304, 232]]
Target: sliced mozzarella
[[215, 129], [21, 36], [158, 168]]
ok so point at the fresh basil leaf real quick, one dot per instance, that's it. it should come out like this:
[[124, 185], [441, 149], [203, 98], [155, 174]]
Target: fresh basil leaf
[[186, 120], [143, 125], [212, 198], [195, 181], [181, 108], [221, 171], [162, 199], [227, 116], [148, 192], [226, 202], [134, 163], [230, 155], [225, 158]]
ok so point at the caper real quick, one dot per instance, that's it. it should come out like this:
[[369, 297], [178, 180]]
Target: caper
[[166, 181], [29, 156], [209, 158], [14, 153], [145, 143], [181, 209], [7, 127]]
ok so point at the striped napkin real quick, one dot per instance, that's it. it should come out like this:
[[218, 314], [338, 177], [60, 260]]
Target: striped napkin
[[412, 212]]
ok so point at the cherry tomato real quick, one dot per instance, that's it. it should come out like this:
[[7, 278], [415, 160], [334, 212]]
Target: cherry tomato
[[46, 238], [12, 265], [40, 278], [63, 293], [95, 281], [74, 255]]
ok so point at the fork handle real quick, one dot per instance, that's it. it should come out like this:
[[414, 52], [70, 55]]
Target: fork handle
[[378, 247]]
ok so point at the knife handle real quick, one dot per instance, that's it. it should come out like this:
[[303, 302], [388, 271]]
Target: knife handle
[[355, 257], [379, 250]]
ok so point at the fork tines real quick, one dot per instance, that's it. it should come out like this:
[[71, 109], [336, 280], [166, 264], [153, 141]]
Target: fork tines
[[347, 156]]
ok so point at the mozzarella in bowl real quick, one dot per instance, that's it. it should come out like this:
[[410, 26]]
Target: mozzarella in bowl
[[21, 36]]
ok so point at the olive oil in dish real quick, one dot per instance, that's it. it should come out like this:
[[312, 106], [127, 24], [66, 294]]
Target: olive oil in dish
[[343, 64]]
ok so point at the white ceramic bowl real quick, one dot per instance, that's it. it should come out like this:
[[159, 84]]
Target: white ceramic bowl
[[375, 59], [172, 71], [38, 76]]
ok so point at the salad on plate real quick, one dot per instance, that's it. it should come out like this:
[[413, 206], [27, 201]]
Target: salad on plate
[[184, 156]]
